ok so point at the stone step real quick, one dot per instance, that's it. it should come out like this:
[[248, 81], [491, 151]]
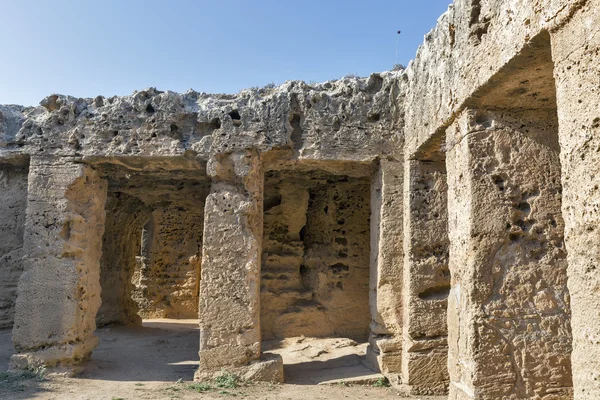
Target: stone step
[[368, 379]]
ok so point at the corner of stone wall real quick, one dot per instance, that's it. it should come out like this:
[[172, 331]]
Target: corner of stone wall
[[385, 340]]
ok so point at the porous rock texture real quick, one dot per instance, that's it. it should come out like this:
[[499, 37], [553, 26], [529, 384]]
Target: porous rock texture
[[167, 282], [508, 259], [498, 86], [427, 277], [59, 292], [13, 199], [315, 261], [466, 186], [576, 48], [230, 322], [386, 270], [152, 243], [120, 246]]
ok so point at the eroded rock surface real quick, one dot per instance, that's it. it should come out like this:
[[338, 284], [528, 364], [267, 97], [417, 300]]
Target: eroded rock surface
[[347, 119], [315, 262], [13, 200], [446, 212]]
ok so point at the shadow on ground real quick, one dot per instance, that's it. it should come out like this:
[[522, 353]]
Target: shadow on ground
[[336, 370], [19, 385], [160, 350]]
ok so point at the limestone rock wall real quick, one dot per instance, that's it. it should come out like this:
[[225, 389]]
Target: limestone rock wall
[[13, 200], [153, 238], [496, 57], [503, 92], [470, 45], [315, 262], [576, 50], [146, 144], [11, 120], [229, 307], [509, 307], [168, 273], [347, 119], [125, 216]]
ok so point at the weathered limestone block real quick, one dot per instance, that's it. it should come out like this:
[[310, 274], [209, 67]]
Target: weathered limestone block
[[229, 307], [508, 313], [59, 291], [385, 296], [576, 49], [345, 119], [13, 199], [426, 277]]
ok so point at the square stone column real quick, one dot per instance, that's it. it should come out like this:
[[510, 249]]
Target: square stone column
[[13, 201], [426, 277], [59, 291], [229, 308], [385, 340], [576, 49], [508, 314]]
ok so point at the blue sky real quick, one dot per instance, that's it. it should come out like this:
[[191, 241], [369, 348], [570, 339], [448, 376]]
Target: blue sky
[[113, 47]]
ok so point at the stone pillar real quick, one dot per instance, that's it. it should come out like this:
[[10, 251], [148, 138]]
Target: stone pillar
[[576, 49], [229, 306], [385, 340], [426, 278], [508, 314], [59, 291], [13, 200]]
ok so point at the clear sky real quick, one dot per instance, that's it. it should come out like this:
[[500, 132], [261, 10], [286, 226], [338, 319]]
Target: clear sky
[[112, 47]]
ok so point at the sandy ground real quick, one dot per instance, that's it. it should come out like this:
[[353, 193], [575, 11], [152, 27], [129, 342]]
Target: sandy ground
[[158, 362]]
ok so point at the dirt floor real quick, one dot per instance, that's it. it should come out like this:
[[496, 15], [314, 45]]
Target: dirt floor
[[158, 362]]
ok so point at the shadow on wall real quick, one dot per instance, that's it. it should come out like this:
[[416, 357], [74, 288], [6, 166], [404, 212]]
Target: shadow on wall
[[152, 245]]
